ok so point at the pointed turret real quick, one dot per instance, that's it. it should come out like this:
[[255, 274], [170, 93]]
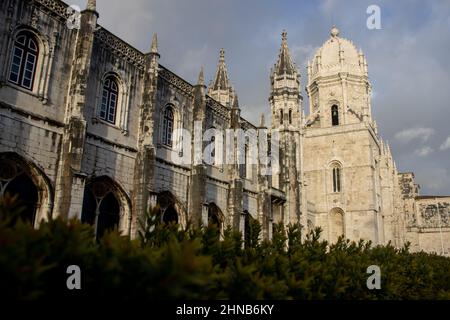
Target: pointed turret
[[285, 99], [262, 121], [91, 5], [284, 64], [154, 46], [220, 88], [201, 78]]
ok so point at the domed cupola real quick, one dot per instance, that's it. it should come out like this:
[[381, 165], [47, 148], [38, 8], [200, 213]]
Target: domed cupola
[[337, 55]]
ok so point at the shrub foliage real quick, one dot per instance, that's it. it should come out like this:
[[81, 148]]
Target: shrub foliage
[[167, 262]]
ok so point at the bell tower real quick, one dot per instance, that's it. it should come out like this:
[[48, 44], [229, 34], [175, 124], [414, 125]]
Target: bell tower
[[286, 106], [285, 98]]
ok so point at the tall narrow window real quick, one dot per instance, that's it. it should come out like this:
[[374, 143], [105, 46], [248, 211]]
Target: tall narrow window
[[24, 60], [243, 166], [290, 116], [335, 115], [336, 179], [281, 116], [167, 126], [110, 93], [213, 151]]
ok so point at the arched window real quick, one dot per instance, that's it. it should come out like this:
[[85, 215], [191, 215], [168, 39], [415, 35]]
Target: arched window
[[281, 116], [167, 126], [101, 207], [290, 116], [15, 182], [335, 115], [110, 94], [336, 178], [170, 210], [24, 60]]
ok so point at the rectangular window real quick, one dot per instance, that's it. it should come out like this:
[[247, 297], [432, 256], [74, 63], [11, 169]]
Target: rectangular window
[[112, 108], [169, 133], [336, 180], [104, 105], [28, 75], [15, 66]]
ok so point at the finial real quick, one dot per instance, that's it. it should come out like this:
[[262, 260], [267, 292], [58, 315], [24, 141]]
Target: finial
[[235, 102], [91, 5], [201, 78], [334, 32], [284, 35], [154, 48], [262, 121], [222, 55]]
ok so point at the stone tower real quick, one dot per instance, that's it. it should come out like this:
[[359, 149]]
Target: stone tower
[[341, 146], [285, 102]]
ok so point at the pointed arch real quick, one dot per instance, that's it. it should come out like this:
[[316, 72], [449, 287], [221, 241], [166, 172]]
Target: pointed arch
[[216, 217], [106, 206], [22, 178], [171, 208]]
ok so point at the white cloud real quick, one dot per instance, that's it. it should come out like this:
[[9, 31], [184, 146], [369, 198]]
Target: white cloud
[[446, 144], [423, 152], [408, 135]]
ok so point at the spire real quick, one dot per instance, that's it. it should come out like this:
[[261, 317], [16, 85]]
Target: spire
[[201, 78], [221, 81], [91, 5], [154, 47], [220, 88], [235, 102], [284, 64], [262, 121]]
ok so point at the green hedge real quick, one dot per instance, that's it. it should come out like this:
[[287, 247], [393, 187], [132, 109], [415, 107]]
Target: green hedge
[[168, 263]]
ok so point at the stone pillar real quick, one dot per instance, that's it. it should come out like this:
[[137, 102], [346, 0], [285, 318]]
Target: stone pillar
[[264, 197], [144, 166], [197, 186], [69, 188]]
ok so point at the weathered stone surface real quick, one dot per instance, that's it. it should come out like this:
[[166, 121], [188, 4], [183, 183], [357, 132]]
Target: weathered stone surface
[[334, 169]]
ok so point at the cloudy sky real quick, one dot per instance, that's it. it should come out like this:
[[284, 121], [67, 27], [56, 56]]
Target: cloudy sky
[[408, 58]]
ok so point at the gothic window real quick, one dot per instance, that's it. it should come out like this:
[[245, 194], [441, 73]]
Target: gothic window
[[110, 92], [335, 115], [101, 207], [290, 116], [281, 116], [168, 120], [24, 60], [15, 182], [336, 171]]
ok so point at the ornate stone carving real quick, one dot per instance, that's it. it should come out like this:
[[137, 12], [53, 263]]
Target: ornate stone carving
[[121, 47], [175, 80]]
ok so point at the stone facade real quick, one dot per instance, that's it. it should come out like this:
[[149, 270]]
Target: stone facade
[[91, 129]]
